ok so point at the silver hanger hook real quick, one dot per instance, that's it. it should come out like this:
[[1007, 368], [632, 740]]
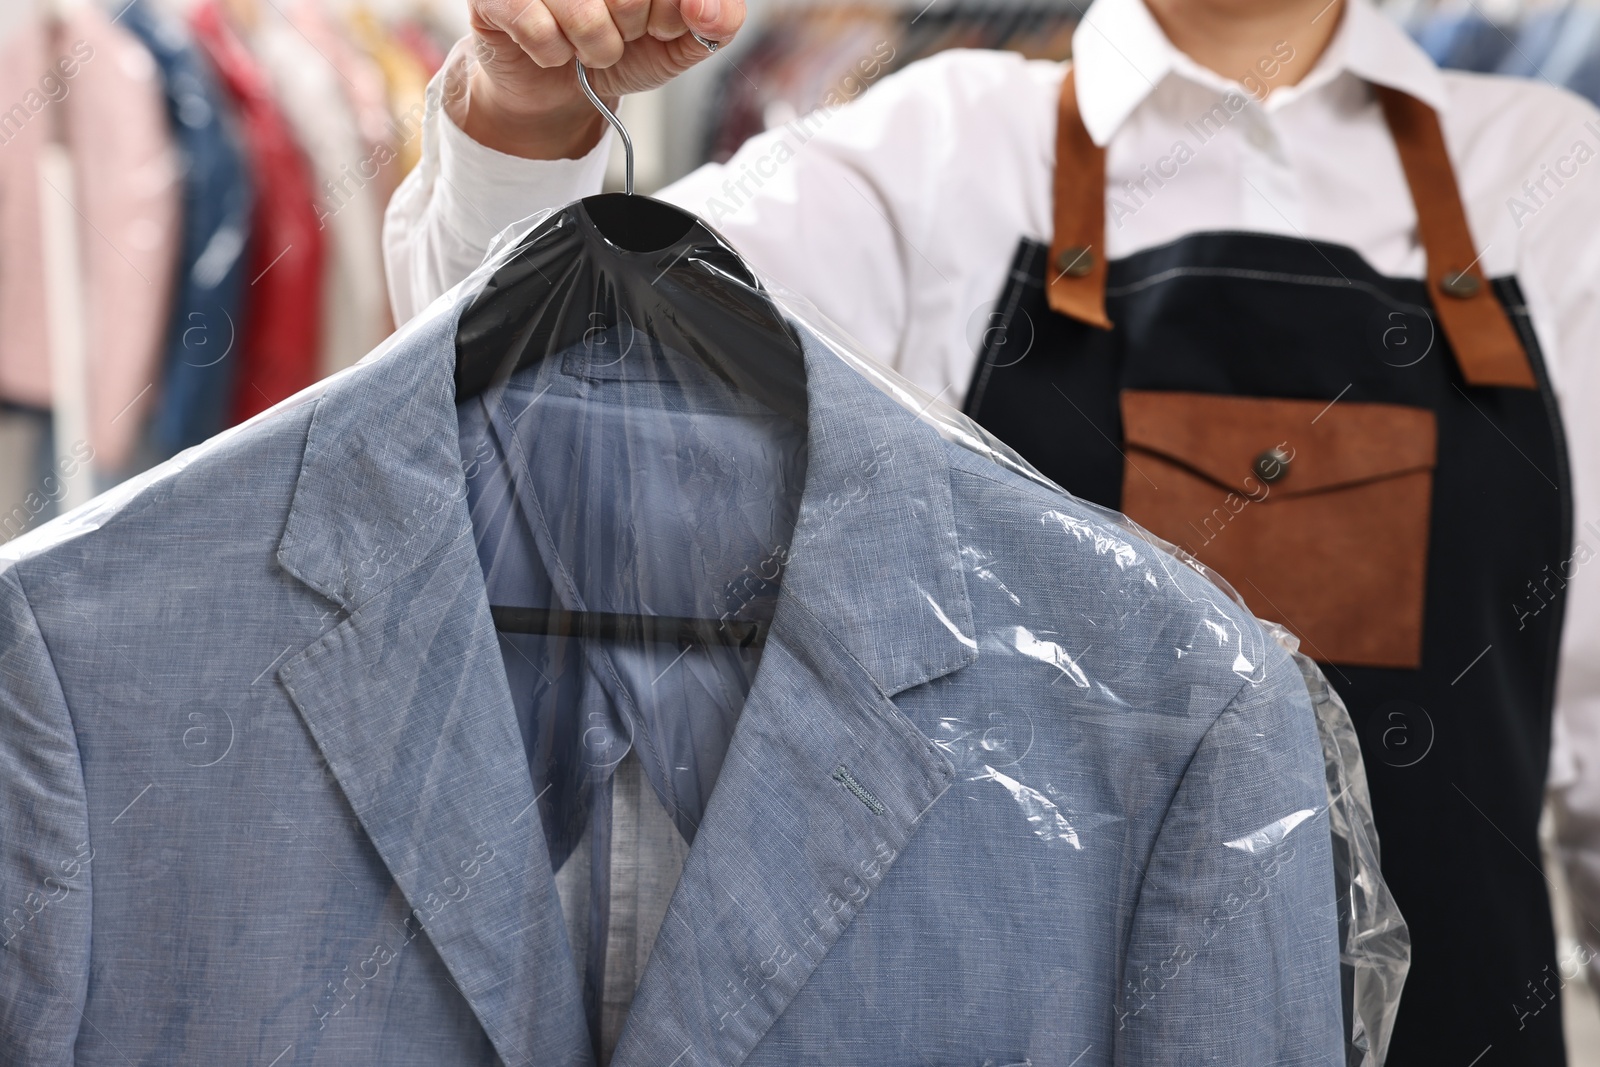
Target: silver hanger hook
[[611, 117], [616, 123]]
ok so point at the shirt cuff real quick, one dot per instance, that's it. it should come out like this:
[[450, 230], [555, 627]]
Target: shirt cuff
[[480, 191]]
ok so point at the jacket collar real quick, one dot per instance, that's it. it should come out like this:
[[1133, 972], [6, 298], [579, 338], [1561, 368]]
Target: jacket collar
[[874, 552], [1121, 55], [409, 703]]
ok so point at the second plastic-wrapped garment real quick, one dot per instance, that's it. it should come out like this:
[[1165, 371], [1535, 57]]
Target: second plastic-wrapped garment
[[618, 668]]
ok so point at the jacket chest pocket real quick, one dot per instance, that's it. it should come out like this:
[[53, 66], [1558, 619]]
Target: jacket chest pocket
[[1317, 514]]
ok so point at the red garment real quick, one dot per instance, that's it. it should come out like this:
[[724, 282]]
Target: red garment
[[278, 337], [414, 39]]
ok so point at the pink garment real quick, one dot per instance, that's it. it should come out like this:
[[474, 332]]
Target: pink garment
[[94, 82], [363, 86]]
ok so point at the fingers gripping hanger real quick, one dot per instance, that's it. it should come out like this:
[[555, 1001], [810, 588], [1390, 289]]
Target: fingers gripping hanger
[[611, 626]]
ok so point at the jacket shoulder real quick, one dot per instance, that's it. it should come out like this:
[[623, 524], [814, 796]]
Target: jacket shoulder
[[1053, 570], [232, 480]]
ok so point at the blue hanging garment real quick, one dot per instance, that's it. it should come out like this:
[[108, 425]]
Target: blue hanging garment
[[1465, 42], [199, 364]]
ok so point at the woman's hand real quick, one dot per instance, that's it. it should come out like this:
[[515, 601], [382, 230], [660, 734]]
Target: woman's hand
[[524, 97]]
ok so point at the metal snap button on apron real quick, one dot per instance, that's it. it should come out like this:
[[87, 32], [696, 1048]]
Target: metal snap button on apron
[[1076, 261], [1459, 284], [1271, 465]]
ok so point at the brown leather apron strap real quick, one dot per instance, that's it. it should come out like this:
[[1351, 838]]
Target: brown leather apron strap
[[1077, 285], [1486, 345]]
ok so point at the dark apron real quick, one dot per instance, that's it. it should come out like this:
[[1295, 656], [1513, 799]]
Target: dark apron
[[1376, 463]]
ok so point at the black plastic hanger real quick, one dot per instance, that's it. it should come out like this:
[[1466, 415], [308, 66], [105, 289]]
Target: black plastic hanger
[[702, 301]]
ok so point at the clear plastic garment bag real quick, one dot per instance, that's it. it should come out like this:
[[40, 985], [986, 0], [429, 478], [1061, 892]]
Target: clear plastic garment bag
[[618, 666], [673, 470]]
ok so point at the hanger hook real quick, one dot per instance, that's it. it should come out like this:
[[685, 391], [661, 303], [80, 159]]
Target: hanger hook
[[616, 123]]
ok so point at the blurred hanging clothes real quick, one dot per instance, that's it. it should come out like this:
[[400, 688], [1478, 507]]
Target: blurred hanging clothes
[[281, 326], [1046, 38], [1575, 61], [311, 93], [405, 78], [1465, 41], [93, 85], [800, 57], [818, 57], [416, 39], [367, 95], [735, 104], [25, 461], [442, 24], [1534, 38], [202, 335], [1558, 44]]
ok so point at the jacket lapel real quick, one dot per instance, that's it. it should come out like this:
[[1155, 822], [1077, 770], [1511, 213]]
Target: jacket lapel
[[825, 782], [823, 786], [408, 701]]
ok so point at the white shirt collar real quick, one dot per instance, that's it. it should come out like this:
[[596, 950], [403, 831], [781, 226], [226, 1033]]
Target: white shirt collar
[[1121, 54]]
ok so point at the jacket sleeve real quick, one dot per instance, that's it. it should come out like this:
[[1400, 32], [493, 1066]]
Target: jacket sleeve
[[45, 852], [1233, 954]]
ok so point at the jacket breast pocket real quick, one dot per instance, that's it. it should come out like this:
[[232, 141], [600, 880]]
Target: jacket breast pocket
[[1317, 514]]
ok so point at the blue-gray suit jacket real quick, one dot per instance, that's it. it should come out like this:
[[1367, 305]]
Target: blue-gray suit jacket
[[263, 799]]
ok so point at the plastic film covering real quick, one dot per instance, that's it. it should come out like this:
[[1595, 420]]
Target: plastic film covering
[[618, 667]]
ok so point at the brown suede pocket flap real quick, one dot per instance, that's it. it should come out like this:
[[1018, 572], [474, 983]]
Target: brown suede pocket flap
[[1328, 446]]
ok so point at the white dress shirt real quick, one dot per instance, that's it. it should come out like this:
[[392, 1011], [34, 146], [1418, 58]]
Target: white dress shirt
[[898, 213]]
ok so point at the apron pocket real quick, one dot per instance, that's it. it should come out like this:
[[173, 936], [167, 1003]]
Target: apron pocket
[[1316, 513]]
